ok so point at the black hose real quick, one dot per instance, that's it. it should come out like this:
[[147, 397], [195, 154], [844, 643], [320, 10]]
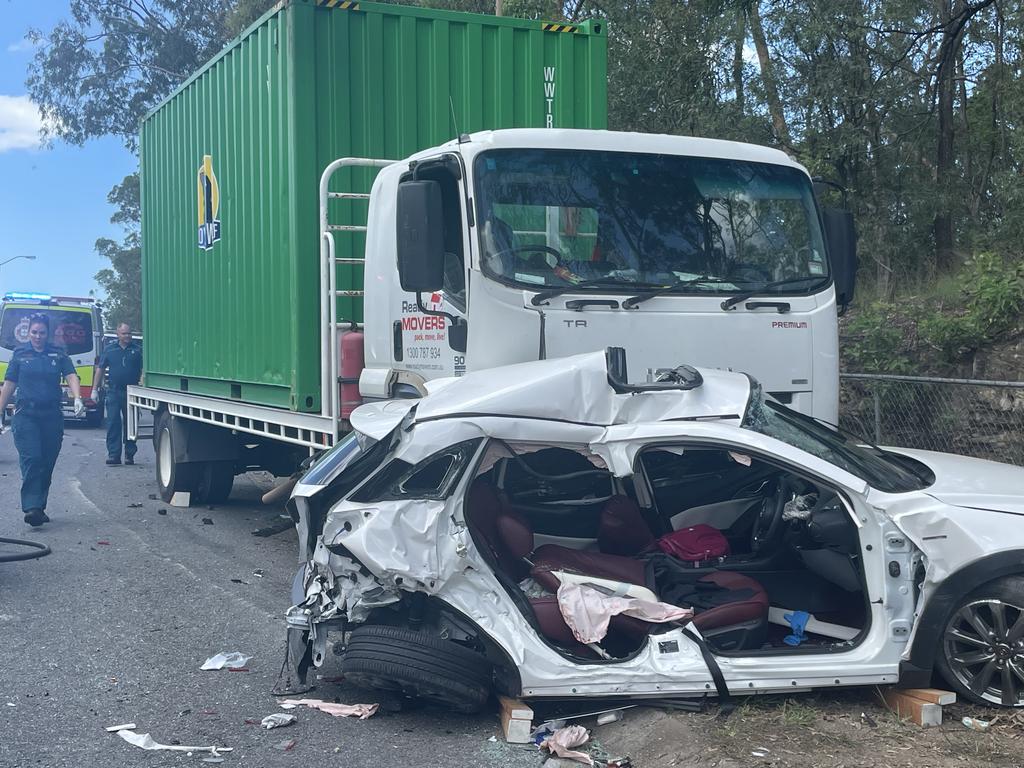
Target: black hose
[[36, 550]]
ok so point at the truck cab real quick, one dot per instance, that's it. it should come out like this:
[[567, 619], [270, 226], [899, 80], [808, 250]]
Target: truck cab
[[525, 244], [76, 326]]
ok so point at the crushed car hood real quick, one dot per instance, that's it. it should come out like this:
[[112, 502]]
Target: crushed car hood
[[576, 389], [974, 483]]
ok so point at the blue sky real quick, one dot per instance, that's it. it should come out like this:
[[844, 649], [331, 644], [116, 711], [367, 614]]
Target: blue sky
[[53, 200]]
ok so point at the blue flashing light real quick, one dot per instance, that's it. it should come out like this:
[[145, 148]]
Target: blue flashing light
[[22, 296]]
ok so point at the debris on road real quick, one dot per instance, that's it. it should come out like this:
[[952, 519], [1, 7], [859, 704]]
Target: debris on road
[[207, 521], [238, 581], [161, 511], [123, 727], [103, 542], [362, 711], [145, 741], [563, 741], [975, 724], [258, 572], [868, 720], [273, 530], [135, 505], [234, 660], [285, 745], [278, 720]]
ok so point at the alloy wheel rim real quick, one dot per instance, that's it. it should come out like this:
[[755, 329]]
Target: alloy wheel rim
[[984, 647]]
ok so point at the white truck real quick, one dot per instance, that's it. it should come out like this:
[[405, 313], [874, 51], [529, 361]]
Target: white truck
[[522, 244]]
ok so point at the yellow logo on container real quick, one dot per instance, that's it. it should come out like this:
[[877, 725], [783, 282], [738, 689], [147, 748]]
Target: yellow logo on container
[[209, 205]]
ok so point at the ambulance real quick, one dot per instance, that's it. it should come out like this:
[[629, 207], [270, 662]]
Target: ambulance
[[76, 326]]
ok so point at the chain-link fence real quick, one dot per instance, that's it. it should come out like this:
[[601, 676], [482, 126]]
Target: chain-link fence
[[965, 416]]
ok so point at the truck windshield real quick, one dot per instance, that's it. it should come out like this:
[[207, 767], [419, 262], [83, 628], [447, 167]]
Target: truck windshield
[[596, 220]]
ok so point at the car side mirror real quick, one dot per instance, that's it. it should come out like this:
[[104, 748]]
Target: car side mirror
[[420, 236], [841, 237]]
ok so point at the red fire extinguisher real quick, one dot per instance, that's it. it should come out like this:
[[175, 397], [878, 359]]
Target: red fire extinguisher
[[352, 364]]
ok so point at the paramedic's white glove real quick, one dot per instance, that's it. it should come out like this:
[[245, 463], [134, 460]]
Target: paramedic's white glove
[[3, 428], [79, 407]]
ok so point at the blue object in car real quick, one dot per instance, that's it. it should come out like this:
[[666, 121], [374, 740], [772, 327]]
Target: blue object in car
[[798, 623]]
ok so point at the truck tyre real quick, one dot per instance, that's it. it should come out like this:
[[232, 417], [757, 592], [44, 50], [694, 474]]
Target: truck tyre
[[419, 665], [171, 476], [215, 479]]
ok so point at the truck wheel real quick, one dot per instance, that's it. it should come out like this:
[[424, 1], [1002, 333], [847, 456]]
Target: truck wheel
[[418, 665], [215, 479], [981, 651], [171, 476]]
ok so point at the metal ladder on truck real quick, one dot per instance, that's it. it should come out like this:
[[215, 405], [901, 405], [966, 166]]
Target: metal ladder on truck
[[329, 294]]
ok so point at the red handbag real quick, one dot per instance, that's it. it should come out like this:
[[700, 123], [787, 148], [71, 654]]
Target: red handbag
[[695, 544]]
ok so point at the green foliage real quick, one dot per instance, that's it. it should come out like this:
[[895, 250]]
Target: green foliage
[[122, 281], [872, 340], [992, 299]]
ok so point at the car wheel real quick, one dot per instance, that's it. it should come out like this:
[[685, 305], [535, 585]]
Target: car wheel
[[982, 645], [171, 476], [418, 665]]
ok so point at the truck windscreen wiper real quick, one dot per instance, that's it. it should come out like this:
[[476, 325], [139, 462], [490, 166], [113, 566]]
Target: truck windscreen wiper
[[550, 293], [677, 285], [732, 301]]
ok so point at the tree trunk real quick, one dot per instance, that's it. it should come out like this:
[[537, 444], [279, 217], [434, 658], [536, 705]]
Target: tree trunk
[[737, 59], [771, 88]]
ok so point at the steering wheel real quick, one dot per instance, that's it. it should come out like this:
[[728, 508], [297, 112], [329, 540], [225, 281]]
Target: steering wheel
[[769, 519], [534, 248]]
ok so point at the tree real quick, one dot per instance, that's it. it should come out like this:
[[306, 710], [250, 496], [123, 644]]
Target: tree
[[100, 71]]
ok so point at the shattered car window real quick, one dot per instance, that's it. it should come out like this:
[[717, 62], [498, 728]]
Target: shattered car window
[[879, 469], [433, 478]]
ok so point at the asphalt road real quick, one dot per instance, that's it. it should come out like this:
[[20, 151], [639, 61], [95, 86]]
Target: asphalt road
[[114, 625]]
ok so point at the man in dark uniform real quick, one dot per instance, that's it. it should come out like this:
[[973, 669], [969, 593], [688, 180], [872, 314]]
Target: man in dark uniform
[[35, 372], [122, 360]]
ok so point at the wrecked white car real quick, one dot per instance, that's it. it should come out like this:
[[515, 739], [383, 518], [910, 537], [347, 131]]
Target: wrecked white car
[[547, 530]]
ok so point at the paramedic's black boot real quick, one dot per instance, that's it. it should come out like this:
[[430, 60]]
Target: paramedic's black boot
[[35, 517]]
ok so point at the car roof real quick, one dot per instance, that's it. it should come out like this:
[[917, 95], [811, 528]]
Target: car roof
[[575, 390]]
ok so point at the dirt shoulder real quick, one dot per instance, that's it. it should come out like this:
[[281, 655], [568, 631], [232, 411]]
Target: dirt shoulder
[[813, 731]]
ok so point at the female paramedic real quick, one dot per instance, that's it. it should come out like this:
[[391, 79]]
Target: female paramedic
[[35, 372]]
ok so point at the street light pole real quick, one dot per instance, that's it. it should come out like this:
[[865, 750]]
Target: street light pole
[[8, 261]]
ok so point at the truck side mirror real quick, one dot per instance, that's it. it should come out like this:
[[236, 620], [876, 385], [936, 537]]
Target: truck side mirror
[[420, 236], [842, 249]]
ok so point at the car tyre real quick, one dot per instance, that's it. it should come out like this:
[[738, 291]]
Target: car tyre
[[171, 476], [981, 651], [418, 665]]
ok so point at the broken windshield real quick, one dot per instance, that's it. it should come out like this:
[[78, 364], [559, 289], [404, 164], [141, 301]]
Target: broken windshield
[[878, 468], [614, 221]]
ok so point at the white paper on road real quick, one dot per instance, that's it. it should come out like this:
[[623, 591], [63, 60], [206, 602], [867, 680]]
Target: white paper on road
[[278, 720], [145, 741], [362, 711], [233, 660], [122, 727]]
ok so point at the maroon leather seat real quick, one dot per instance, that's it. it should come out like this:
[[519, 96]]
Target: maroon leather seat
[[508, 536]]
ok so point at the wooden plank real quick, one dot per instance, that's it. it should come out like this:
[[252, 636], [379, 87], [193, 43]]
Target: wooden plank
[[515, 730], [924, 713], [933, 695], [516, 709]]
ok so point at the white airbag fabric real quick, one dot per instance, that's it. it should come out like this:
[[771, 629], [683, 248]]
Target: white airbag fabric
[[588, 611]]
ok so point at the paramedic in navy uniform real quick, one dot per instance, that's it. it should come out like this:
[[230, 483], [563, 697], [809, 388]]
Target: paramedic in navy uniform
[[35, 372], [122, 361]]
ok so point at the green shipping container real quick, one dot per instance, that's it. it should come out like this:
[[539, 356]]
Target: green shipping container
[[231, 164]]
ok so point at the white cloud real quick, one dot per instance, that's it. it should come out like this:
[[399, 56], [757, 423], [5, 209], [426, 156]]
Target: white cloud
[[20, 123], [23, 45]]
